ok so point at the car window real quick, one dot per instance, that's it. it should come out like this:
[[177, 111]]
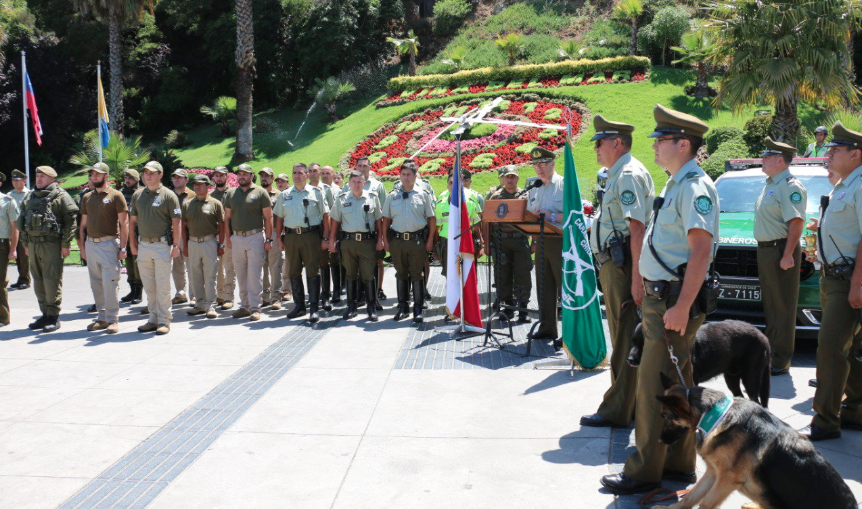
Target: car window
[[739, 194]]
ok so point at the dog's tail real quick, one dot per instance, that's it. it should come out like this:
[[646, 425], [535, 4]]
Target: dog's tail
[[765, 383]]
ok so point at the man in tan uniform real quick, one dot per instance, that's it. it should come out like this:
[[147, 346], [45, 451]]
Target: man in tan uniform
[[226, 280], [155, 212], [616, 238], [203, 242], [283, 183], [314, 174], [105, 215], [8, 245], [131, 184], [180, 180], [274, 257], [248, 210], [18, 193], [779, 217], [674, 260]]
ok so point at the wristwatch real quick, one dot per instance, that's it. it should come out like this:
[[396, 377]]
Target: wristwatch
[[122, 249], [326, 239], [267, 240], [221, 246], [174, 246]]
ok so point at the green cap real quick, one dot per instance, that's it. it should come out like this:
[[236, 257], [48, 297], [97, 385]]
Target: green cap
[[245, 167], [283, 176], [180, 172], [221, 169], [18, 175], [266, 171], [777, 148], [46, 170], [509, 169], [100, 168], [153, 166], [841, 136], [200, 178], [542, 155], [668, 122], [132, 173]]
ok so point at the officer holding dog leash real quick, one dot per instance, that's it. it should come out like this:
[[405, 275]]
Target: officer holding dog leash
[[675, 257]]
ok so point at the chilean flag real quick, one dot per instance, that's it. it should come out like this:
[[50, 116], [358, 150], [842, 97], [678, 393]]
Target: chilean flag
[[459, 219], [34, 112]]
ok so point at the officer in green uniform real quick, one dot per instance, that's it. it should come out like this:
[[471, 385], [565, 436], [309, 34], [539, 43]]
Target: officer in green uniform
[[408, 218], [548, 200], [470, 194], [314, 174], [203, 242], [131, 183], [18, 193], [616, 238], [336, 267], [839, 243], [282, 182], [302, 214], [674, 260], [514, 258], [779, 217], [357, 216], [819, 147], [226, 280], [47, 227], [180, 180], [501, 173], [8, 247], [372, 184]]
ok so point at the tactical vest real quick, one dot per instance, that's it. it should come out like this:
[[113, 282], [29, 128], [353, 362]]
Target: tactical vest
[[39, 217]]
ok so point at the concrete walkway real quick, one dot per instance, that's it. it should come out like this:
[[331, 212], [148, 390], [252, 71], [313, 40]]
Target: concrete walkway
[[232, 414]]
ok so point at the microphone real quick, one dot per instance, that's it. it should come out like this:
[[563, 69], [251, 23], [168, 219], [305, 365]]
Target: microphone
[[366, 208], [824, 202], [532, 185]]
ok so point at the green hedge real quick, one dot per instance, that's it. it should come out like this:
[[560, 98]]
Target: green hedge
[[519, 72]]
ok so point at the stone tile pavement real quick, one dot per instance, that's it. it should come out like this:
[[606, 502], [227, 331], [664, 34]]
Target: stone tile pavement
[[228, 413]]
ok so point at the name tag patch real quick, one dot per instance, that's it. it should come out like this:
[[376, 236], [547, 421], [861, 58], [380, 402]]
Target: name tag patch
[[770, 193], [207, 209], [348, 204], [177, 211], [106, 200]]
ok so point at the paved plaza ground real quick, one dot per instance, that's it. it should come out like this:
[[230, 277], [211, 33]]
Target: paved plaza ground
[[228, 413]]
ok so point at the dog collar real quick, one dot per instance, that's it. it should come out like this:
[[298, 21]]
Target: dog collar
[[711, 418]]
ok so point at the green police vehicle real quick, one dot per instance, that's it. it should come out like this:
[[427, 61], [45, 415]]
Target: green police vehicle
[[736, 256]]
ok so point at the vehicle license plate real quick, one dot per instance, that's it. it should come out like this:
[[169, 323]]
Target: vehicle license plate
[[739, 292]]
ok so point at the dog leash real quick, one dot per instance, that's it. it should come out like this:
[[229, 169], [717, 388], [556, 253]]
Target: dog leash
[[660, 495], [675, 360]]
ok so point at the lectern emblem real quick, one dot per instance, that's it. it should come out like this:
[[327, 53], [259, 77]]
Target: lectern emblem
[[502, 210]]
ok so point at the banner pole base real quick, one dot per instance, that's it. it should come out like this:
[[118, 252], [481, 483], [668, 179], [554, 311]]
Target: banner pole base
[[556, 364]]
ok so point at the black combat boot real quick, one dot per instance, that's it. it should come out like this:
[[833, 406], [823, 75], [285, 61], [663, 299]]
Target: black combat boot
[[418, 300], [129, 296], [510, 313], [372, 311], [352, 291], [40, 323], [324, 289], [524, 316], [335, 269], [139, 295], [314, 298], [298, 291], [403, 288]]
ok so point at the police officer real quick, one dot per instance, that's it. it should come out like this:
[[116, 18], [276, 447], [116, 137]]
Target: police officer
[[131, 183], [47, 227], [18, 193], [471, 195], [314, 173], [406, 215], [548, 200], [8, 247], [616, 239], [674, 260], [180, 180], [274, 257], [226, 280], [156, 216], [358, 216], [513, 257], [282, 182], [372, 184], [336, 268], [819, 147], [501, 184], [105, 216], [302, 214], [203, 242], [779, 216], [839, 244], [248, 211]]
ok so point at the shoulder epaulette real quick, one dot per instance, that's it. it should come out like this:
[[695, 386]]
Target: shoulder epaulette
[[692, 175]]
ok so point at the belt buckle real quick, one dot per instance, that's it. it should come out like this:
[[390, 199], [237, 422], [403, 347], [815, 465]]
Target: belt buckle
[[199, 240], [298, 230], [405, 236], [358, 237]]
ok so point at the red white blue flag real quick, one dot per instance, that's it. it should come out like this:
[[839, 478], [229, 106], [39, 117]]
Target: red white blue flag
[[459, 220], [30, 100]]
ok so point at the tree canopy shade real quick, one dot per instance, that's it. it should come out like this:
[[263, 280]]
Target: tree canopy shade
[[780, 52]]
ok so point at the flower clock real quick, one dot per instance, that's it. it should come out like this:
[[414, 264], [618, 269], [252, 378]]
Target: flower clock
[[484, 147]]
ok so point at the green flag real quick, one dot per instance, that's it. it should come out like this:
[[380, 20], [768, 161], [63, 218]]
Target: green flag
[[583, 333]]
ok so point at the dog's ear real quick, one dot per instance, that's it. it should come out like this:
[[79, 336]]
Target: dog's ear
[[666, 381], [668, 401]]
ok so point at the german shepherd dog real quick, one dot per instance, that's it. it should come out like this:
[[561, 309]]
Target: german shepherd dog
[[752, 451], [735, 349]]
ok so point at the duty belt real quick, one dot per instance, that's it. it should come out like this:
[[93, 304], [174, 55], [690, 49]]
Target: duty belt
[[837, 270], [97, 240], [409, 235], [300, 230], [152, 240], [201, 239], [358, 236], [248, 233], [662, 289], [605, 255], [772, 243]]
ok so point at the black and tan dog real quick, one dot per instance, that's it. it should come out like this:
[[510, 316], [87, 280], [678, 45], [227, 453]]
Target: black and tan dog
[[731, 348], [748, 449]]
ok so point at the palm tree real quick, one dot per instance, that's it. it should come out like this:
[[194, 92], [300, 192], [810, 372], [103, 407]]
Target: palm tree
[[245, 79], [512, 45], [115, 13], [780, 54], [455, 56], [407, 46], [630, 10], [120, 154], [328, 92], [695, 49], [222, 111], [572, 49]]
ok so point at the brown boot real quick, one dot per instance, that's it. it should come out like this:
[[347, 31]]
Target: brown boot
[[211, 313], [97, 325], [241, 313], [163, 329], [113, 328], [228, 304], [255, 316], [148, 327]]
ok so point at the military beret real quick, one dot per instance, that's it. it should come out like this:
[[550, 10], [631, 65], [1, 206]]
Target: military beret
[[200, 178], [668, 121], [245, 167], [542, 155], [266, 171], [841, 136], [153, 166], [18, 175], [606, 129], [283, 176], [509, 169], [777, 148], [132, 173], [47, 170], [100, 168], [180, 172], [221, 169]]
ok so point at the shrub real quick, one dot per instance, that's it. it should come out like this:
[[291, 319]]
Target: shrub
[[719, 135], [666, 30], [449, 15], [733, 148], [176, 139], [755, 130], [608, 34]]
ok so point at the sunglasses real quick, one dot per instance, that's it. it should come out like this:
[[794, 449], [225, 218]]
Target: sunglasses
[[599, 142], [672, 138]]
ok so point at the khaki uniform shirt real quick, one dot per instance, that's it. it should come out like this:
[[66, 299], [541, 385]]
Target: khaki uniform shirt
[[328, 194], [219, 195], [203, 216], [371, 184], [783, 198], [408, 214], [842, 221], [549, 198], [103, 212], [350, 212], [291, 208], [182, 197], [629, 194], [690, 202], [8, 215], [19, 197], [246, 207], [155, 211]]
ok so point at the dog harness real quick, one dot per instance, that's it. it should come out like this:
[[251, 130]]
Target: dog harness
[[709, 420]]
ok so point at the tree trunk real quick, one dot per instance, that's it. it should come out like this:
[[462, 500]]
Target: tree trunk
[[412, 63], [245, 79], [785, 124], [225, 126], [115, 62], [633, 44], [332, 108], [511, 59], [701, 87]]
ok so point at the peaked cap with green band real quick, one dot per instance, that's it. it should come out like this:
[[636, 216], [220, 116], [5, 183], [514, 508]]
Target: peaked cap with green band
[[669, 122], [843, 137], [777, 148], [606, 128]]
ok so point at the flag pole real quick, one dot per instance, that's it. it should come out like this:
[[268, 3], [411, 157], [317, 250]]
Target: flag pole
[[98, 105], [24, 104]]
